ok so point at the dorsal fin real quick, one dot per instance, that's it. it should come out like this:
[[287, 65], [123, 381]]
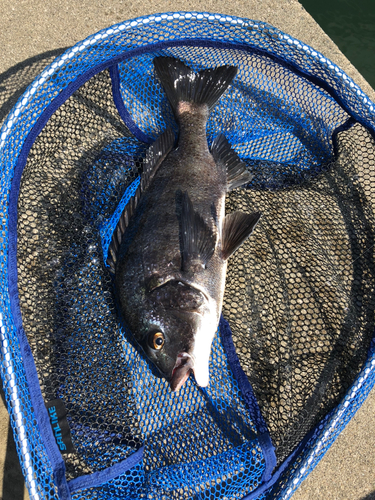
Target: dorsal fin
[[237, 227], [197, 239], [155, 155], [226, 157]]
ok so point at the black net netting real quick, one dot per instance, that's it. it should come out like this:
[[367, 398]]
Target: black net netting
[[299, 297], [303, 291]]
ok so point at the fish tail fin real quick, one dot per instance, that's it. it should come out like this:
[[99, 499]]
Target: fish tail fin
[[181, 83]]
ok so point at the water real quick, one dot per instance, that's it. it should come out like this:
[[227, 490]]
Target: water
[[351, 25]]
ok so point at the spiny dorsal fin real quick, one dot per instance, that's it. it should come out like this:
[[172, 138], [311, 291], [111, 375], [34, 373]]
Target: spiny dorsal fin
[[237, 228], [181, 83], [155, 155], [197, 239], [225, 156]]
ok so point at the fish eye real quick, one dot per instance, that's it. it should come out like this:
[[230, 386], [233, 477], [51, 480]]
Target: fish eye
[[156, 340]]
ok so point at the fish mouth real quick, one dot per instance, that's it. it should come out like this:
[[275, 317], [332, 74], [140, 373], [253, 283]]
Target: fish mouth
[[185, 364], [181, 371]]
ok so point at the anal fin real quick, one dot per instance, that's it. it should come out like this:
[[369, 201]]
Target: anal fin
[[226, 157], [237, 228]]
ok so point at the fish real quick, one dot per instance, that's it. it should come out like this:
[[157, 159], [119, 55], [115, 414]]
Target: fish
[[169, 251]]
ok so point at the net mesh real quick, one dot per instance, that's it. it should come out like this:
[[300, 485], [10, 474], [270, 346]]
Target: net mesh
[[306, 296], [299, 294]]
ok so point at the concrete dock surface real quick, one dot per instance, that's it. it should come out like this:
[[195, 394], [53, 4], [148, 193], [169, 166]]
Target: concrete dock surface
[[32, 33]]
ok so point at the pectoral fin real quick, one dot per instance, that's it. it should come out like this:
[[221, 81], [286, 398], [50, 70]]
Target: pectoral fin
[[237, 228], [197, 239]]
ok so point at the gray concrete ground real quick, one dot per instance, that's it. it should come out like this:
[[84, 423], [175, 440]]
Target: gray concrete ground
[[31, 28]]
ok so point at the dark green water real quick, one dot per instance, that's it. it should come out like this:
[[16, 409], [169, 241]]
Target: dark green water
[[351, 25]]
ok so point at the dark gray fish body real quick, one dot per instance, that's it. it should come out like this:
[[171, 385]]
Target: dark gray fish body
[[170, 255]]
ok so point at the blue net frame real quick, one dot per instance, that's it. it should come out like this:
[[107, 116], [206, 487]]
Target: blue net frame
[[116, 48]]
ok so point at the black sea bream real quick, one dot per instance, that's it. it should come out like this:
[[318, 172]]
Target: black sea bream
[[170, 249]]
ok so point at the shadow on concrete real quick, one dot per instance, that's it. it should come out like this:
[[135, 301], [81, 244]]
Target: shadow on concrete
[[15, 80], [13, 482], [13, 84], [371, 496]]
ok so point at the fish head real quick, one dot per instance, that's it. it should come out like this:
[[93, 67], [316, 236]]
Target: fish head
[[175, 330]]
